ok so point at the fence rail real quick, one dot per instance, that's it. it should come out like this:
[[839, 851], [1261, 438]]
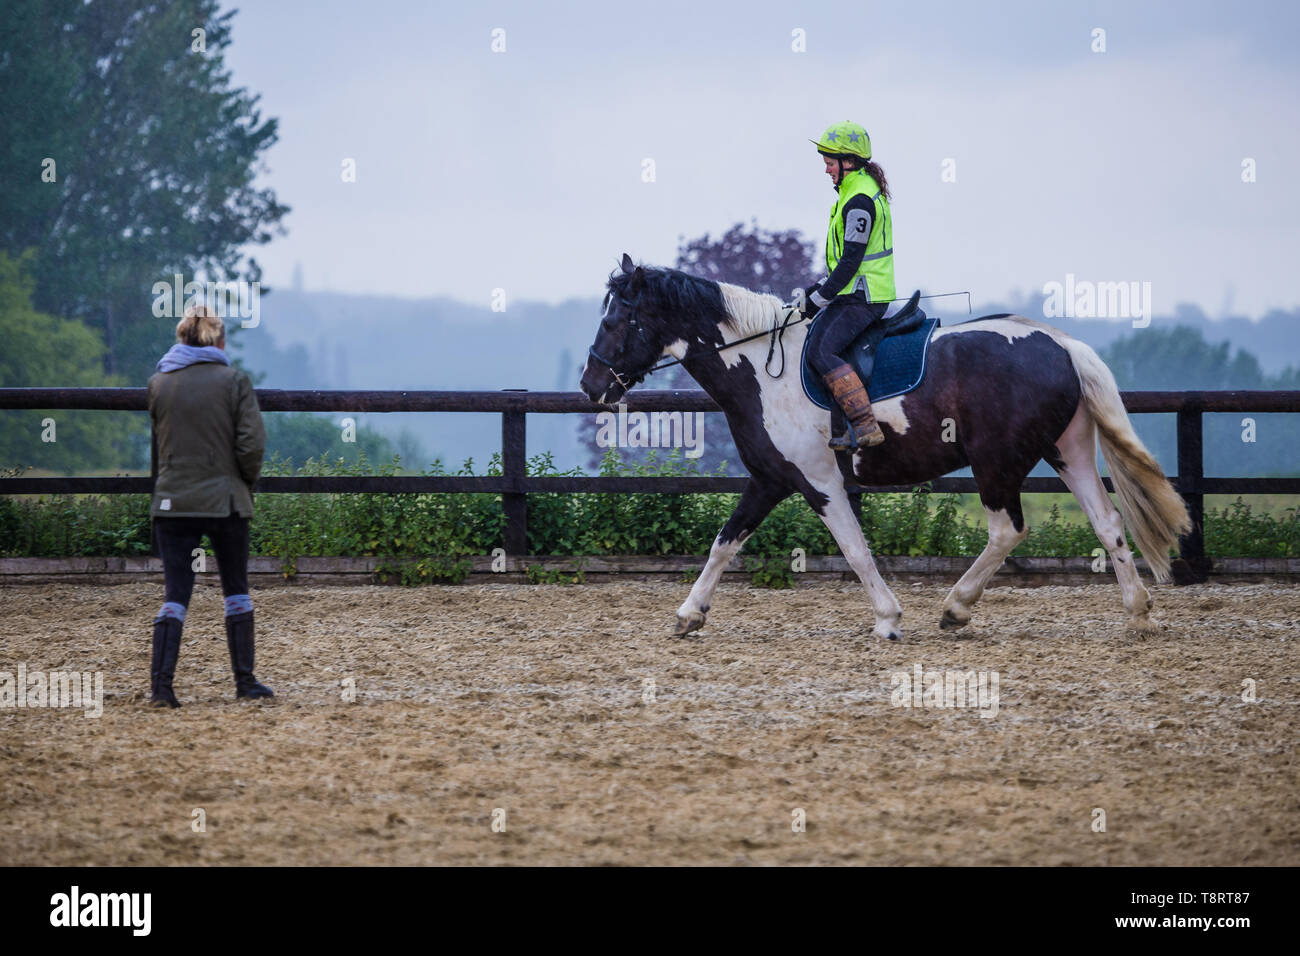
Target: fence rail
[[514, 405]]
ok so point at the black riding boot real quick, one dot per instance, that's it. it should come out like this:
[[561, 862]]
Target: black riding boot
[[166, 648], [239, 638]]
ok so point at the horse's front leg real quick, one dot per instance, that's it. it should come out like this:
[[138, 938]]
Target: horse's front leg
[[756, 503], [847, 530]]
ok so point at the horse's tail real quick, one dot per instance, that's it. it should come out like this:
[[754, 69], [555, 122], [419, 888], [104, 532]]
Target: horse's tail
[[1153, 511]]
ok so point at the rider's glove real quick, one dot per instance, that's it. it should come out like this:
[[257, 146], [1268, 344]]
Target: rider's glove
[[810, 300]]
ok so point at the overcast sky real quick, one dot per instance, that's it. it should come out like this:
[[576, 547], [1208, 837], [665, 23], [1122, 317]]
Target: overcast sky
[[523, 170]]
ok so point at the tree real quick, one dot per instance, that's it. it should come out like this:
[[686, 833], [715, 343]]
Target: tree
[[757, 259], [127, 157], [1179, 358], [297, 436], [41, 349]]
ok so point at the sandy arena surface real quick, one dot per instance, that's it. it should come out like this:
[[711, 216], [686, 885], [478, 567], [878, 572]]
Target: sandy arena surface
[[533, 699]]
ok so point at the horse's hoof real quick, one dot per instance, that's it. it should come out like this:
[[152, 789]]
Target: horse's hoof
[[1141, 625], [687, 624], [950, 621], [889, 634]]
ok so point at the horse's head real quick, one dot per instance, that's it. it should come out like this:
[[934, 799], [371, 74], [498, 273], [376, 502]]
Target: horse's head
[[631, 337]]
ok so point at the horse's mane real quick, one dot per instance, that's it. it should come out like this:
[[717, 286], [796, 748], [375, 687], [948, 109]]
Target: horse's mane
[[674, 291], [749, 312]]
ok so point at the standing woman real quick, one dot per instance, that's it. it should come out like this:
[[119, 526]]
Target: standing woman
[[860, 286], [210, 443]]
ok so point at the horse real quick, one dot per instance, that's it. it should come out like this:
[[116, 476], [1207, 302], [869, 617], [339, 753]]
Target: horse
[[1006, 391]]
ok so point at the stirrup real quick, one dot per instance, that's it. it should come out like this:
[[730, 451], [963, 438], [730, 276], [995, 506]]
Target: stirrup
[[847, 441]]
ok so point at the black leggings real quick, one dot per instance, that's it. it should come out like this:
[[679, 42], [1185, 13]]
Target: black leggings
[[176, 539], [835, 329]]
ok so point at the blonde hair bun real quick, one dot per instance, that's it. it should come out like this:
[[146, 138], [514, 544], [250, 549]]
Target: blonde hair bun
[[201, 326]]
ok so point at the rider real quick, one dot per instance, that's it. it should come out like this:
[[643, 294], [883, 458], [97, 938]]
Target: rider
[[860, 286]]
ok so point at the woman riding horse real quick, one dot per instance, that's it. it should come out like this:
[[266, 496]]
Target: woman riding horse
[[860, 284], [1010, 390]]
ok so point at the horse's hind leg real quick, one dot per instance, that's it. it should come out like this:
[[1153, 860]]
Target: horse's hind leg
[[1077, 466], [1007, 528], [756, 503]]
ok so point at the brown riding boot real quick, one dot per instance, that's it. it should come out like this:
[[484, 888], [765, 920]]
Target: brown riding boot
[[851, 396]]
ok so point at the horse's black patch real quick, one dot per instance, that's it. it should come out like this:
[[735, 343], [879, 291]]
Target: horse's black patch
[[1005, 404]]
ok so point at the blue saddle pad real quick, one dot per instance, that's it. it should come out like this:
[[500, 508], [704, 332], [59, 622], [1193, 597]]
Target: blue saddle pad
[[899, 368]]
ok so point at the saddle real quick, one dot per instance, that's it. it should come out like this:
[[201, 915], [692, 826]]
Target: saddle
[[889, 355]]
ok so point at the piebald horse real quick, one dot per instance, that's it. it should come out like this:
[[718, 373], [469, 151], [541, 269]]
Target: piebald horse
[[1017, 391]]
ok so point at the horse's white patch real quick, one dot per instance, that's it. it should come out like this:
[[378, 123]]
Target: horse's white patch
[[1012, 328], [676, 348], [797, 427], [890, 412], [731, 356]]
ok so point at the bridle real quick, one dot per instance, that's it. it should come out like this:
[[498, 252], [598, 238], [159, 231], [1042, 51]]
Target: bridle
[[777, 334], [633, 305]]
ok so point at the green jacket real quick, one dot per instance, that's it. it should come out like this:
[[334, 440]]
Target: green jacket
[[210, 441]]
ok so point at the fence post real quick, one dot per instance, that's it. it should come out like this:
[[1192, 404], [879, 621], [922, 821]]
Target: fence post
[[514, 456], [1193, 567]]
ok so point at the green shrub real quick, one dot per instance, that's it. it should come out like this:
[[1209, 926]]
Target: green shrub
[[1235, 530], [441, 531], [540, 575], [769, 571]]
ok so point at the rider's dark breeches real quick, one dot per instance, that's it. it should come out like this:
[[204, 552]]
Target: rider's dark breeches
[[835, 329]]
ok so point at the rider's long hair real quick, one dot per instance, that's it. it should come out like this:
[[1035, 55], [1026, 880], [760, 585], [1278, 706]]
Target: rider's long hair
[[878, 174]]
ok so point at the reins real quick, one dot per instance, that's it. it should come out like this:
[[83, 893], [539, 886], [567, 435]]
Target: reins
[[776, 332]]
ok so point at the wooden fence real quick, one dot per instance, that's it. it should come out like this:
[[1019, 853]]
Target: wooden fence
[[514, 405]]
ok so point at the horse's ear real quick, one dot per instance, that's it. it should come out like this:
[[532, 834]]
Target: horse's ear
[[637, 280], [627, 263]]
